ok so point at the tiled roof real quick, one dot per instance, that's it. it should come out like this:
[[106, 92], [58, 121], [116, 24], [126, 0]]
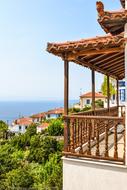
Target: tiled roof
[[43, 125], [39, 115], [111, 21], [89, 95], [23, 121], [56, 111], [104, 54], [85, 44]]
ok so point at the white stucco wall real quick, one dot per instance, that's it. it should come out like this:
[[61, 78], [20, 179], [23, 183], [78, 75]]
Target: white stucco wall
[[15, 129], [88, 175]]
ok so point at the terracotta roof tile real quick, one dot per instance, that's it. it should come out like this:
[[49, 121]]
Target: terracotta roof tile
[[43, 125], [111, 21], [23, 121], [85, 44], [39, 115], [56, 111], [89, 95]]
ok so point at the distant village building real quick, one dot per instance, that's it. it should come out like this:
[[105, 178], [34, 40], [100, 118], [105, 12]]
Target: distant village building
[[20, 125], [51, 114], [42, 127], [38, 117], [86, 99], [55, 113]]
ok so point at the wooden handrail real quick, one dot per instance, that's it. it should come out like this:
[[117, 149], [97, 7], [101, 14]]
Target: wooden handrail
[[85, 134], [92, 117], [113, 111]]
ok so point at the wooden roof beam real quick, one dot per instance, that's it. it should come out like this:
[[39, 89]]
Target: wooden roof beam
[[119, 71], [73, 56], [108, 58], [112, 62], [115, 68], [91, 66], [97, 58]]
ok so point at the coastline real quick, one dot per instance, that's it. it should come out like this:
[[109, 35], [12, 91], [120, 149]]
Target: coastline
[[10, 110]]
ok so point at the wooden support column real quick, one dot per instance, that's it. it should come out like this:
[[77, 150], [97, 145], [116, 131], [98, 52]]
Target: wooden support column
[[66, 98], [117, 96], [117, 92], [108, 94], [66, 86], [93, 90]]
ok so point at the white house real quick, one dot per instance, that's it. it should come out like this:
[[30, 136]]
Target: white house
[[54, 114], [42, 127], [86, 99], [20, 125], [38, 117]]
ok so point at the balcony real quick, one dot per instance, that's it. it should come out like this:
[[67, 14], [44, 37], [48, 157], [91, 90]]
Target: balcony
[[98, 135]]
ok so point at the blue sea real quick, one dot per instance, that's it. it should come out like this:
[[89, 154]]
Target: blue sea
[[11, 110]]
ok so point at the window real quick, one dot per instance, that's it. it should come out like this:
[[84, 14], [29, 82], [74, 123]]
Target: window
[[20, 128], [25, 127], [87, 101], [122, 95]]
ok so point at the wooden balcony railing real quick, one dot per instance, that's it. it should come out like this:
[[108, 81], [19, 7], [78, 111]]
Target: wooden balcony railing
[[95, 137], [113, 111]]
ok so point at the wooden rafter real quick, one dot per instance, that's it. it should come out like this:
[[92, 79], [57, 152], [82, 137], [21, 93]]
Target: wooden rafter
[[89, 65], [109, 58], [111, 62]]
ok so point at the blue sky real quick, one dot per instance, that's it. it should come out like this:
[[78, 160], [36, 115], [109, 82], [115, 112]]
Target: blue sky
[[28, 72]]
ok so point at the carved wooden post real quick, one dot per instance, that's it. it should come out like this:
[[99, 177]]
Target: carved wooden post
[[93, 90], [81, 135], [97, 139], [108, 94], [66, 89], [89, 138], [115, 142], [117, 95], [106, 140], [72, 135]]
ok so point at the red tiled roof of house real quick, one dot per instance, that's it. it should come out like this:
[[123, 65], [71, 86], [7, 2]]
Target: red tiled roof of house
[[24, 121], [89, 95], [56, 111], [43, 125], [39, 115]]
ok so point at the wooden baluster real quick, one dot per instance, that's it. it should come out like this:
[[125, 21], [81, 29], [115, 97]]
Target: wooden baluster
[[81, 135], [84, 137], [97, 139], [78, 143], [72, 136], [106, 140], [69, 135], [115, 142], [83, 131], [89, 139], [75, 133], [66, 135], [93, 128]]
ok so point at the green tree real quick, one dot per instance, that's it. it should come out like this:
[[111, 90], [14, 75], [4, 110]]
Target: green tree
[[18, 179], [56, 127], [111, 87], [3, 129], [31, 130]]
